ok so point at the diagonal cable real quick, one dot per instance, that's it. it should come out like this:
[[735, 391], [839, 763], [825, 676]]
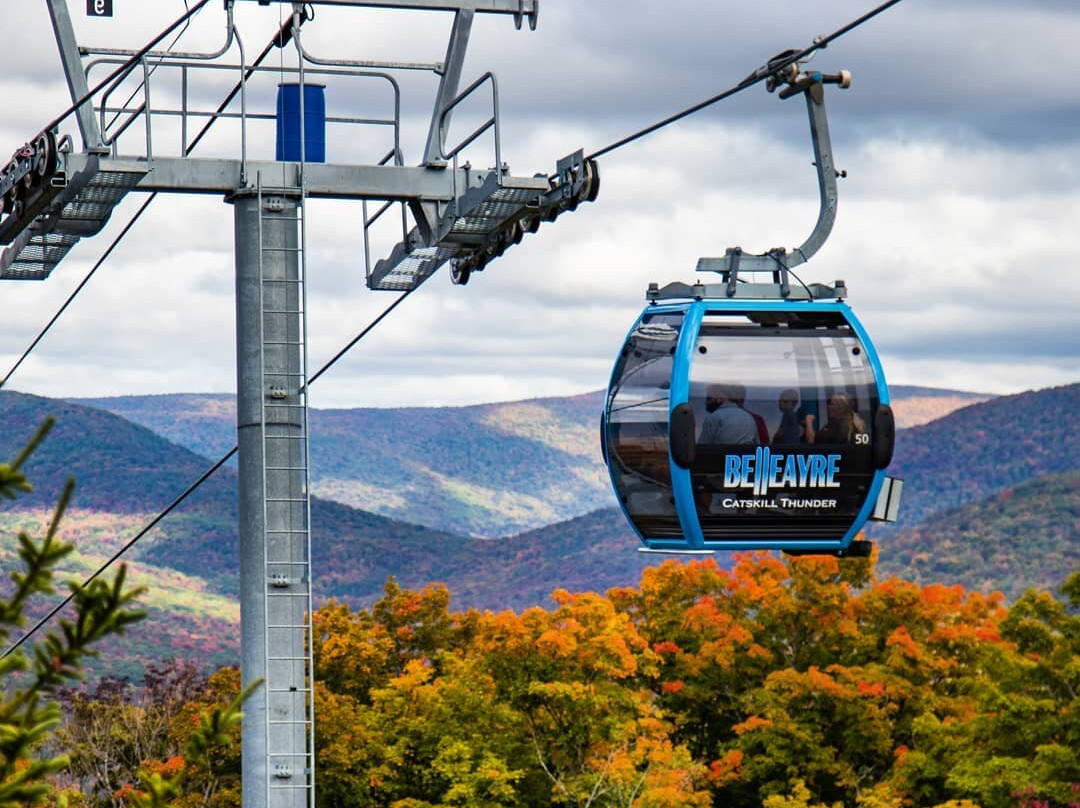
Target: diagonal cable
[[774, 66], [279, 40], [206, 475], [122, 71], [157, 64]]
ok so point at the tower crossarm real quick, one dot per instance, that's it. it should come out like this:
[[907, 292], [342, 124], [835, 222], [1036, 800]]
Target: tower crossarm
[[323, 180], [520, 9], [492, 215]]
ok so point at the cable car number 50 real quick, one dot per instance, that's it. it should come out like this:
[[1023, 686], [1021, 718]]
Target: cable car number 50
[[99, 8]]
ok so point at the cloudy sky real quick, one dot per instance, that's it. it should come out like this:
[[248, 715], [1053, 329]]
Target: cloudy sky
[[957, 230]]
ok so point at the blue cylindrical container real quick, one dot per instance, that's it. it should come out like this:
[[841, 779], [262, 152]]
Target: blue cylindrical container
[[288, 123]]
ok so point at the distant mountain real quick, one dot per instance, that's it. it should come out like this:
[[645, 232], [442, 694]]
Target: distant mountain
[[485, 470], [1025, 536], [593, 552], [187, 617], [909, 392], [353, 552], [119, 467], [914, 406], [980, 450], [990, 501], [126, 475]]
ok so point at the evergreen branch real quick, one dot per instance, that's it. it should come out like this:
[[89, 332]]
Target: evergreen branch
[[214, 730], [12, 480], [39, 560]]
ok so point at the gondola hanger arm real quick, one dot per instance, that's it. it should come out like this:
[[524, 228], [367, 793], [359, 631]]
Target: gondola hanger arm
[[791, 80]]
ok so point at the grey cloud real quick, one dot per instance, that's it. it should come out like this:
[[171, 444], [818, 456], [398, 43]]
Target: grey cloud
[[963, 194], [941, 63], [959, 67]]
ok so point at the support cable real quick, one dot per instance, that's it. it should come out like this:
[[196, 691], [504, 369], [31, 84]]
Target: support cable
[[774, 66], [79, 288], [122, 71], [285, 34], [190, 489], [142, 84], [280, 39], [176, 502], [356, 339]]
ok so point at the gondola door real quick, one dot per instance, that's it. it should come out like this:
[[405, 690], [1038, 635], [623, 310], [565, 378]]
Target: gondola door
[[784, 408]]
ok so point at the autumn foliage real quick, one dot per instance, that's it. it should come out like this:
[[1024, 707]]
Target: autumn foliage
[[783, 683], [780, 683]]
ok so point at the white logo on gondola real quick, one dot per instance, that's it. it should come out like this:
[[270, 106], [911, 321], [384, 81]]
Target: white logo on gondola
[[765, 470]]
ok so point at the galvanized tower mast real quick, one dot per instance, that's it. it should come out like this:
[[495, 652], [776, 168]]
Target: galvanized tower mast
[[55, 193]]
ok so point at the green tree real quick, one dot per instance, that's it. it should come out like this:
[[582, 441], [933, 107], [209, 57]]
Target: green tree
[[29, 712]]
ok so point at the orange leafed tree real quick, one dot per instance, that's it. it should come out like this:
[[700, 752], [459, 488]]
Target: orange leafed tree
[[787, 683]]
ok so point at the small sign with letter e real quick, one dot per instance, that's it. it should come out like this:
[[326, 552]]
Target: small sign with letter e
[[99, 8]]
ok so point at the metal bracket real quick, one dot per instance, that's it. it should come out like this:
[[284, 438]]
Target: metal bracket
[[485, 221], [778, 260], [744, 291], [734, 256], [780, 274]]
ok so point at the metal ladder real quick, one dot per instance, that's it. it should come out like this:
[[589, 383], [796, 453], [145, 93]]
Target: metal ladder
[[288, 689]]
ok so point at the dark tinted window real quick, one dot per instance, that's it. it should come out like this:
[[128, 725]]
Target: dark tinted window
[[784, 410], [637, 425]]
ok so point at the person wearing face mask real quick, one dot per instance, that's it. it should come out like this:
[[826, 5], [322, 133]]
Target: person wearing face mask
[[725, 421]]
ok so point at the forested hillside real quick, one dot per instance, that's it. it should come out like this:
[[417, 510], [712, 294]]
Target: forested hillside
[[1006, 540], [119, 467], [486, 470], [1020, 537], [962, 458], [980, 450]]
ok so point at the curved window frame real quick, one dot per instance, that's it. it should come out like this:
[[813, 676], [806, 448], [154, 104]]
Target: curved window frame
[[635, 427]]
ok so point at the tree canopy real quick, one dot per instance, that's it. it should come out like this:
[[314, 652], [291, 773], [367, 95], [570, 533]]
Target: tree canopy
[[791, 682], [779, 683]]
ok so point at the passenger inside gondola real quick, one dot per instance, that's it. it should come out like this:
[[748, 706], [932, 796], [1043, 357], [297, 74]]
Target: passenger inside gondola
[[845, 425], [726, 421], [796, 424]]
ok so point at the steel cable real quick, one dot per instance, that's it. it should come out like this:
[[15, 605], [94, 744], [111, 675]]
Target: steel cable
[[757, 76], [126, 67], [206, 475], [774, 66], [279, 40]]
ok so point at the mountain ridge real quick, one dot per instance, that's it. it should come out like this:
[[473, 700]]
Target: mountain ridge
[[189, 560], [452, 468]]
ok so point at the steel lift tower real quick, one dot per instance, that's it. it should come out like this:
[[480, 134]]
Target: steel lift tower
[[134, 134]]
